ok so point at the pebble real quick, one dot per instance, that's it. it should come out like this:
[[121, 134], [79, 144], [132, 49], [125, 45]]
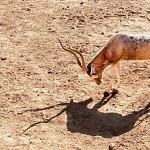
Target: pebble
[[3, 58], [111, 146]]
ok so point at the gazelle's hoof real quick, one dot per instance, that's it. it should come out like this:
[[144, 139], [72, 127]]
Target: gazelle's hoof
[[106, 93], [148, 106], [112, 92], [115, 91]]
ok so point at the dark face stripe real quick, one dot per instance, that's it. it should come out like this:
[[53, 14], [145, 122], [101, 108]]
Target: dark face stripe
[[89, 69]]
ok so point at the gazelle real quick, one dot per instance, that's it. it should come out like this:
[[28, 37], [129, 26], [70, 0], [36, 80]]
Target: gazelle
[[120, 47]]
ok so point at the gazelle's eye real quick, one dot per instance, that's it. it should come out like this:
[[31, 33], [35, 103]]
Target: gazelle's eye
[[102, 66], [89, 69]]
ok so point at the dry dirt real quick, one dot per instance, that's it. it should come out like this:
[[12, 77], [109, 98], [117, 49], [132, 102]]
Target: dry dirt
[[36, 74]]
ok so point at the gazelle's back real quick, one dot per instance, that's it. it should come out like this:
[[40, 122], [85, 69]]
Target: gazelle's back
[[130, 47], [137, 46]]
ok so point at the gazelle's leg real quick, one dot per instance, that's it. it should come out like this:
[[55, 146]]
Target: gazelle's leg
[[118, 74], [112, 74], [114, 69]]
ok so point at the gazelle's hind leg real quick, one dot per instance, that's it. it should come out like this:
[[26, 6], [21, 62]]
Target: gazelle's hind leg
[[118, 74]]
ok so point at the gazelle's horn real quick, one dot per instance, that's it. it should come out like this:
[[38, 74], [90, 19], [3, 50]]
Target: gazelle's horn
[[75, 52]]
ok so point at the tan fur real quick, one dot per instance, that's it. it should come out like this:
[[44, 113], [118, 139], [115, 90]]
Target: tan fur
[[120, 47]]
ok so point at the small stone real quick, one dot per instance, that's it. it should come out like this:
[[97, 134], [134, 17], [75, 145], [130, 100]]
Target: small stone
[[28, 59], [49, 72], [28, 9], [3, 58], [111, 146]]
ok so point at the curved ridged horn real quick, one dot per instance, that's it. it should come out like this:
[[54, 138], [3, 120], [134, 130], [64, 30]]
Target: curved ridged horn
[[83, 65]]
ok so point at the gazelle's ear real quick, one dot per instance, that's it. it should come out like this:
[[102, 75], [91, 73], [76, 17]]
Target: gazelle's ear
[[93, 75], [92, 70]]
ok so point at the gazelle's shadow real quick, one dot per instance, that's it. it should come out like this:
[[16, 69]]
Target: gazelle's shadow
[[92, 122]]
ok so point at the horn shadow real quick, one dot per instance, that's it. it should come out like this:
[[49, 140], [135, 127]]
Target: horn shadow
[[91, 121]]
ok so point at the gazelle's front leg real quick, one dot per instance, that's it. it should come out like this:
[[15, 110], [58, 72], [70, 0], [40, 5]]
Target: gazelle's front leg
[[112, 74], [115, 69]]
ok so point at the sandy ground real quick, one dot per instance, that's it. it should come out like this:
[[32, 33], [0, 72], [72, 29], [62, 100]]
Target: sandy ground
[[37, 74]]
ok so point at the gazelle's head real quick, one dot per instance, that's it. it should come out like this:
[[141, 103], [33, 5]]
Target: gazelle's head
[[93, 69], [95, 73]]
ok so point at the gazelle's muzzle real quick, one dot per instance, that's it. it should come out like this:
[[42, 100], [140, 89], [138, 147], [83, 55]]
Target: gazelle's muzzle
[[98, 81], [95, 76]]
